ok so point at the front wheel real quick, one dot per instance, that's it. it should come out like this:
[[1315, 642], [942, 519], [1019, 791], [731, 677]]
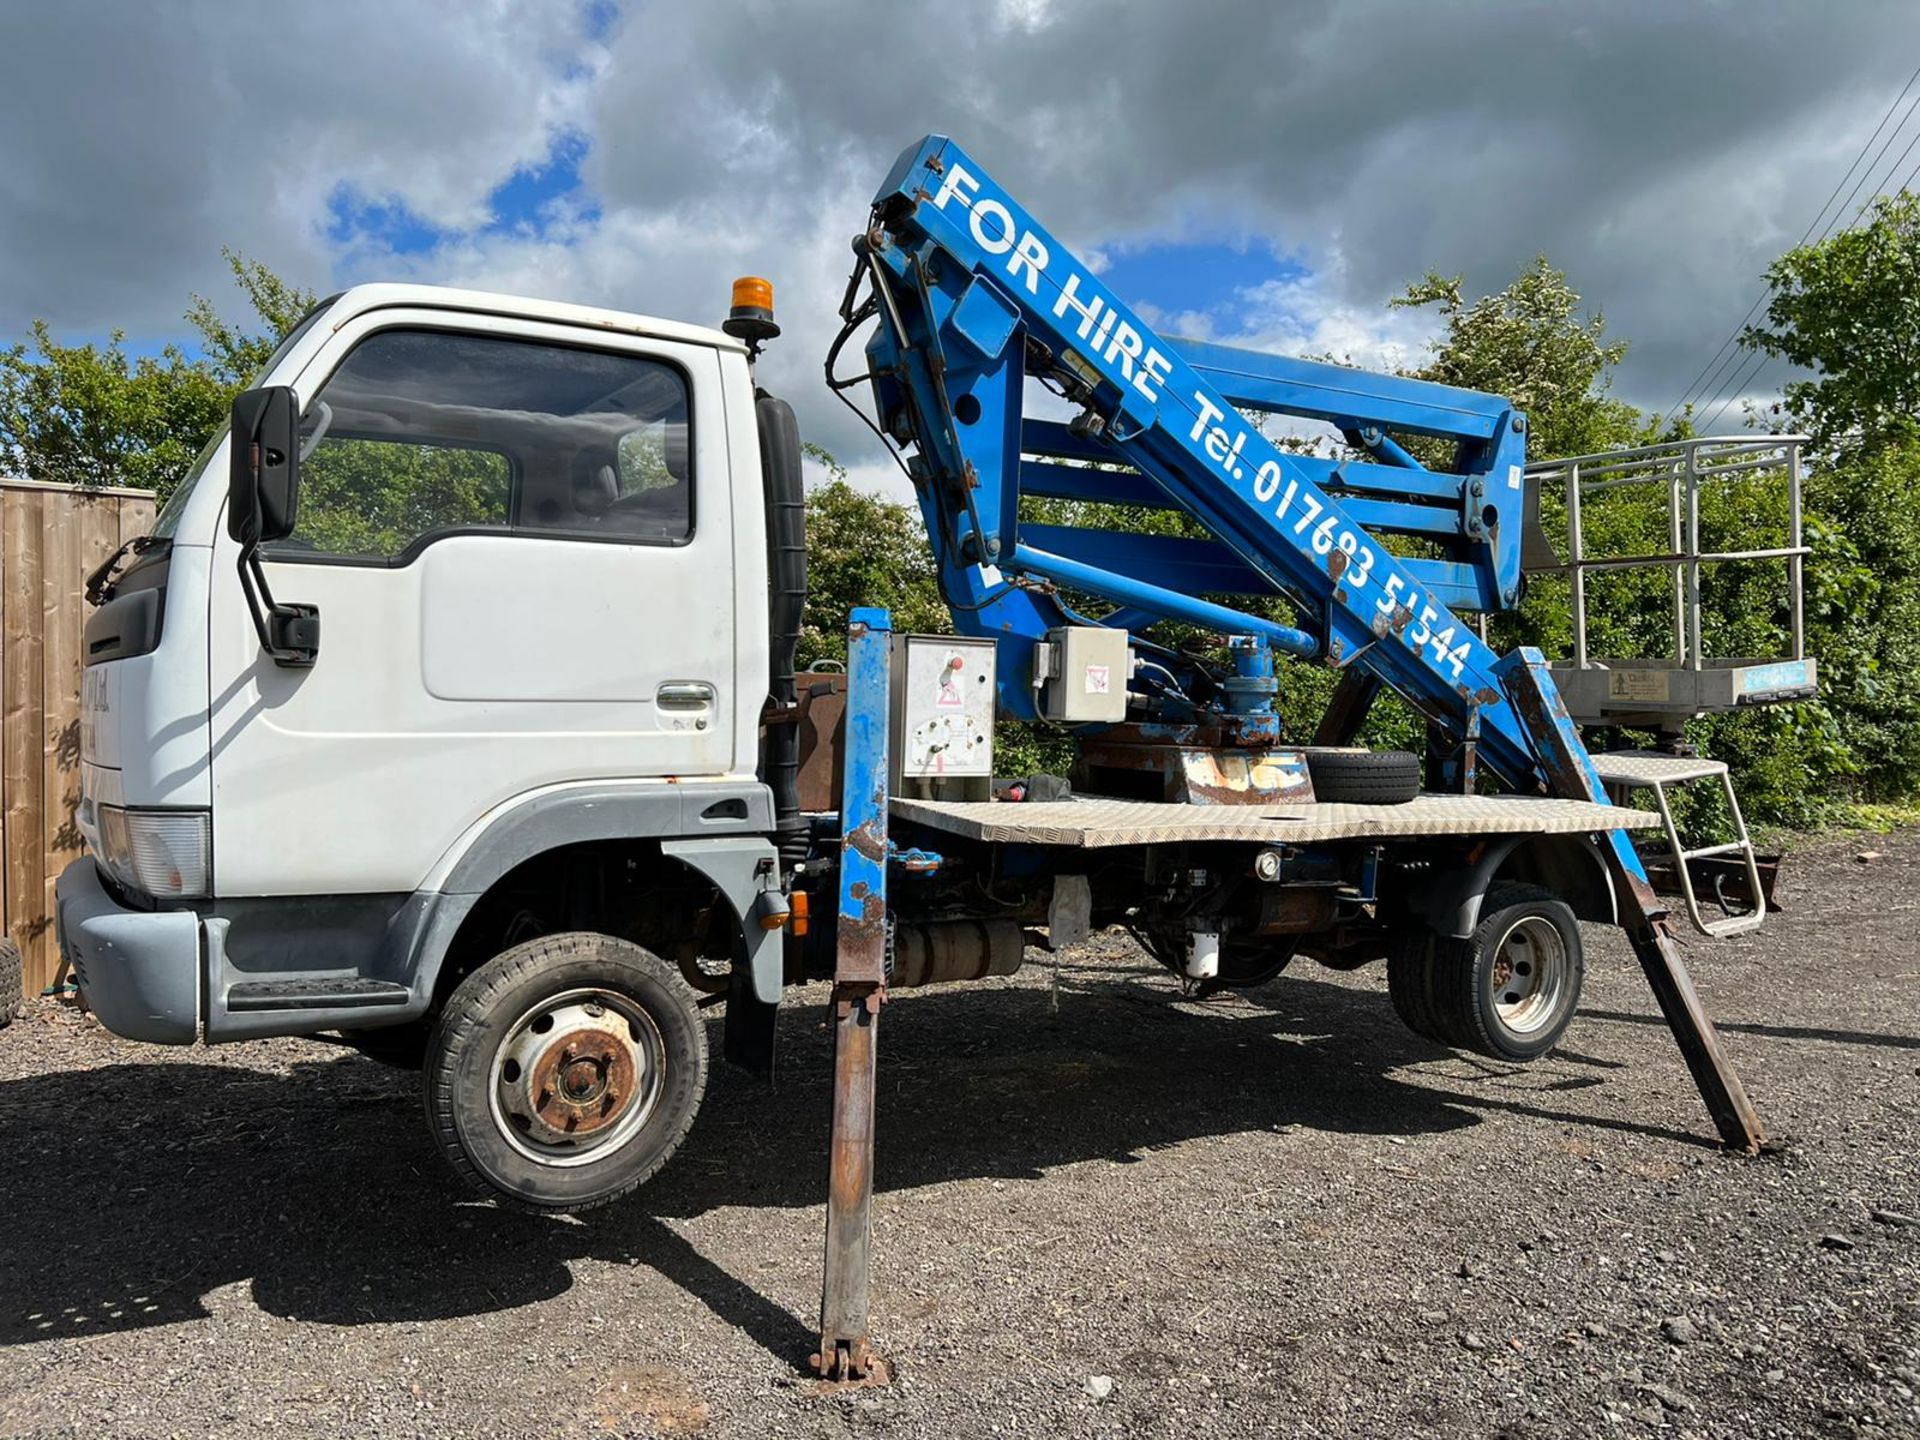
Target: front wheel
[[565, 1072]]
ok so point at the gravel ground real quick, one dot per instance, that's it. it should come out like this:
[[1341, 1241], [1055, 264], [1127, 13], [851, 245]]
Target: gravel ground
[[1270, 1214]]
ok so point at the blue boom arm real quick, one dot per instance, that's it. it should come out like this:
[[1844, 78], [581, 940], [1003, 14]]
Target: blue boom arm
[[974, 300], [974, 296]]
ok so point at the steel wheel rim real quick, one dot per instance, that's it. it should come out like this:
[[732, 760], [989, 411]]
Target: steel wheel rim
[[1529, 974], [590, 1057]]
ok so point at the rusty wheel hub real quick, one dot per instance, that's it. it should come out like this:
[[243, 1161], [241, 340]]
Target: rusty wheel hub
[[1529, 974], [581, 1083], [577, 1076]]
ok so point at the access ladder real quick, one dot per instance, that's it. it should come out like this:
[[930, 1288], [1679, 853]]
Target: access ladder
[[1624, 771]]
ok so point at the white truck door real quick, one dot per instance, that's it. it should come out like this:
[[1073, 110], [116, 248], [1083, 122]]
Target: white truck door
[[521, 547]]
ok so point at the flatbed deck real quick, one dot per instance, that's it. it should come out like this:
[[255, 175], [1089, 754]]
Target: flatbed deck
[[1097, 824]]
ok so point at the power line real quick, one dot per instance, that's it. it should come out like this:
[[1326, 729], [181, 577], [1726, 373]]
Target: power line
[[1707, 422], [1863, 150], [1897, 164], [1745, 376], [1894, 135], [1727, 354], [1906, 182], [1739, 329]]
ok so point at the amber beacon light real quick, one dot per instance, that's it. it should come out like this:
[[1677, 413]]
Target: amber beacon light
[[751, 318]]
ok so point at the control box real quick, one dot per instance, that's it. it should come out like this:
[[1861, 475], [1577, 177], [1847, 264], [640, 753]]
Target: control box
[[1085, 670], [943, 707]]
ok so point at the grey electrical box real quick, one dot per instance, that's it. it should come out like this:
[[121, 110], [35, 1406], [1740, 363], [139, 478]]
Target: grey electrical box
[[1085, 673], [943, 702]]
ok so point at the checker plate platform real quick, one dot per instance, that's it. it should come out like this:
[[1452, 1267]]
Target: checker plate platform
[[1095, 823]]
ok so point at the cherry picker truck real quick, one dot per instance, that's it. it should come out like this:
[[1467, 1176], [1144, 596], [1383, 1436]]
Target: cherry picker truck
[[382, 751]]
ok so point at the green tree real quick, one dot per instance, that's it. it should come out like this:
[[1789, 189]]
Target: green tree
[[863, 549], [1531, 344], [94, 415], [237, 355], [1848, 309]]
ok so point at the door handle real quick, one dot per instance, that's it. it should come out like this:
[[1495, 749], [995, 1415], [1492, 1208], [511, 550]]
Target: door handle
[[684, 695]]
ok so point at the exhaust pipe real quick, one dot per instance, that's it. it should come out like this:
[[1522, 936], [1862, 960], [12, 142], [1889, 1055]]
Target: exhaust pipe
[[786, 505]]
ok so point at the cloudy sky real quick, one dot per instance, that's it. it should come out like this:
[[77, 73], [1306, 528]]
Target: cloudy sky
[[1255, 170]]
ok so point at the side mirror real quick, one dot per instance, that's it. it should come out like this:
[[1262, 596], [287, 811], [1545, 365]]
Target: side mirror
[[263, 484], [264, 472]]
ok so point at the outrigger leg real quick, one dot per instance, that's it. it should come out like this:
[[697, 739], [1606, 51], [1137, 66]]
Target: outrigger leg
[[1646, 924], [859, 990], [1530, 688]]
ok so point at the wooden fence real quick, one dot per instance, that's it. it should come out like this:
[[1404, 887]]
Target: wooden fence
[[51, 536]]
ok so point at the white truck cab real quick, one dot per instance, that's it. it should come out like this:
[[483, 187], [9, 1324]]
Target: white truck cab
[[533, 540]]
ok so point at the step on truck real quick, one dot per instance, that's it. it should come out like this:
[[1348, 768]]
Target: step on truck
[[451, 704]]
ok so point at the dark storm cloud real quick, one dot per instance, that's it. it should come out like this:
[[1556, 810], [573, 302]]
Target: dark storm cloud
[[136, 140], [1661, 153]]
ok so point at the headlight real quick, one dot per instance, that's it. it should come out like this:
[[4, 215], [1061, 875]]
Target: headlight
[[164, 853]]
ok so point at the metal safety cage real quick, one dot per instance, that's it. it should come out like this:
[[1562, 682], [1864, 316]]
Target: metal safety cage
[[1662, 691]]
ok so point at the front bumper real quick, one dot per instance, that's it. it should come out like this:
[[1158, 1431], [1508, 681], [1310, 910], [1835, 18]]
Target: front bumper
[[139, 969]]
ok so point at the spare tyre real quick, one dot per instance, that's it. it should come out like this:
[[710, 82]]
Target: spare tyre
[[1363, 777]]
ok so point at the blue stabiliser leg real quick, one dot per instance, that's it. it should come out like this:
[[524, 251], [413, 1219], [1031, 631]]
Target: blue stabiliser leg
[[1570, 773], [859, 990]]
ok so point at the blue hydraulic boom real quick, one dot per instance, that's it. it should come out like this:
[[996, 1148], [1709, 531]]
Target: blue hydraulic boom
[[975, 299]]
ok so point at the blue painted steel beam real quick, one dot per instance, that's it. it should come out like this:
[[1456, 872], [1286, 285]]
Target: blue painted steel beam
[[1051, 439], [1451, 583], [1079, 482], [859, 986], [862, 933], [1125, 590], [1391, 450], [1390, 480], [1342, 395], [1397, 517], [1193, 567]]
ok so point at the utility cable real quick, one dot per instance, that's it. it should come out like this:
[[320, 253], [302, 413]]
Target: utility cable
[[1716, 364]]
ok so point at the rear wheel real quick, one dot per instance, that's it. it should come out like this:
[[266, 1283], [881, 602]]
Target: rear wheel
[[1508, 990], [564, 1073]]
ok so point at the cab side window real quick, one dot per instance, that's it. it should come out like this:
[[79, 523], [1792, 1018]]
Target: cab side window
[[422, 433]]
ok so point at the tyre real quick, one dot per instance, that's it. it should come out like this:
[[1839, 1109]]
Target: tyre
[[565, 1072], [1363, 777], [12, 975], [1507, 991]]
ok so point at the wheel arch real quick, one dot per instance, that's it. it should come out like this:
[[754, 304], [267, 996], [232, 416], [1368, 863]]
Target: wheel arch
[[716, 831], [1571, 866]]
